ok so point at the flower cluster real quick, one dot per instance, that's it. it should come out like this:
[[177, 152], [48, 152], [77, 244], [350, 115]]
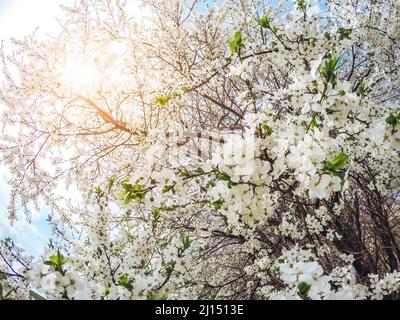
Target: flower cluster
[[302, 100]]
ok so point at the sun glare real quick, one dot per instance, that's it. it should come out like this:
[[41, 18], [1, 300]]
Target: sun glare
[[80, 76]]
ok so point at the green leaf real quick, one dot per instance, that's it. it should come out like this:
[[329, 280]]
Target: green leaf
[[209, 184], [267, 129], [167, 189], [340, 160], [328, 70], [327, 36], [238, 37], [223, 176], [99, 191], [185, 89], [57, 260], [127, 187], [162, 101], [125, 282], [128, 199], [264, 22], [36, 296], [336, 163], [233, 47], [125, 181], [362, 90], [110, 185], [218, 204], [301, 4], [131, 192], [392, 119], [236, 43], [314, 123], [329, 111], [344, 33], [199, 171], [153, 297], [137, 187], [303, 289], [186, 242], [184, 174], [156, 213]]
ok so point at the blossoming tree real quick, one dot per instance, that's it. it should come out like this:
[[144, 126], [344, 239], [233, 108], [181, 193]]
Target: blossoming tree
[[235, 150]]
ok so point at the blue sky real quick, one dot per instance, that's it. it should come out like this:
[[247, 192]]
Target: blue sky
[[31, 237], [17, 18]]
